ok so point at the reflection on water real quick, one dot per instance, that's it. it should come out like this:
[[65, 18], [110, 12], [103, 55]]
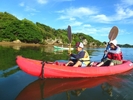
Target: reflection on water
[[108, 87], [15, 84], [16, 47], [9, 71], [77, 92], [74, 86]]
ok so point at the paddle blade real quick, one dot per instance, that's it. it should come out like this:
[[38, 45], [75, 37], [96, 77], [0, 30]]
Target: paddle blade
[[69, 34], [113, 33]]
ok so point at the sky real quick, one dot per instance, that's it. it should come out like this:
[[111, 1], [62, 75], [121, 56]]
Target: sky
[[91, 17]]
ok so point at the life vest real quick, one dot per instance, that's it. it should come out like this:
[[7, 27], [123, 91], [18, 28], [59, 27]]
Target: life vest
[[115, 56], [86, 58]]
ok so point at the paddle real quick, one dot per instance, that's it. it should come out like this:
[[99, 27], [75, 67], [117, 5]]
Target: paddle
[[69, 38], [112, 35]]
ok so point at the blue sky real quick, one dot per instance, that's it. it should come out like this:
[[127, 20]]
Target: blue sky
[[92, 17]]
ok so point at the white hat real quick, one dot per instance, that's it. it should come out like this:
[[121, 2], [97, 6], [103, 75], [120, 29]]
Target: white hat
[[79, 44], [113, 42]]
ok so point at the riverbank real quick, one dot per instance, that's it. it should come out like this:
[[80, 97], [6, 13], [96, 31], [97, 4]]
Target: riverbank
[[18, 44], [29, 44]]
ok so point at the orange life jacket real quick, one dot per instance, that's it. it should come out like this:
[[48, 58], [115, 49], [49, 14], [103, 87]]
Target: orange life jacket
[[115, 56]]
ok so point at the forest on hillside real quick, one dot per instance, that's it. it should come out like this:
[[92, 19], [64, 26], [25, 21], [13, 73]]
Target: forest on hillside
[[11, 29]]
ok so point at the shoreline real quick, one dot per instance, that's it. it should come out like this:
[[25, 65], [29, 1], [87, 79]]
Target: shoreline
[[4, 44], [19, 44]]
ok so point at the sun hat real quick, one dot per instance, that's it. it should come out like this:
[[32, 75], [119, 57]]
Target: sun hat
[[113, 42], [79, 44]]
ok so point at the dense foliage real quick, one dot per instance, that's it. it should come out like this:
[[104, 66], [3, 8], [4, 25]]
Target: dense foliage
[[126, 45], [26, 31]]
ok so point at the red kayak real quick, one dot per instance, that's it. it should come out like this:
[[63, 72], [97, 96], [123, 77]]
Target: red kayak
[[48, 87], [58, 70]]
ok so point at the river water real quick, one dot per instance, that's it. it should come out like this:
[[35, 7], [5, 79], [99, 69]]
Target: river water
[[17, 85]]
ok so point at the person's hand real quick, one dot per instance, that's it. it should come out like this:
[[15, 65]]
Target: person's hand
[[70, 54], [105, 52]]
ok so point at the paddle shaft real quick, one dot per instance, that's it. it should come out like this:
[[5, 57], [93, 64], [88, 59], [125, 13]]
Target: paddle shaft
[[104, 53], [69, 38], [70, 48]]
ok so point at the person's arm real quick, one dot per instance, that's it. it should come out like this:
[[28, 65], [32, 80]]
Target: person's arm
[[79, 55], [118, 50]]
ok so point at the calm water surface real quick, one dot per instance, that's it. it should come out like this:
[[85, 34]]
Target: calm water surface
[[17, 85]]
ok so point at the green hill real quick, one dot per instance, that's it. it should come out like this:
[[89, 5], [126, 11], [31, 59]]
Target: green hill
[[26, 31]]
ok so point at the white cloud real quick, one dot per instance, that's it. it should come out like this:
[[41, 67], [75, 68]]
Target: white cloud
[[61, 11], [86, 30], [42, 1], [30, 9], [123, 12], [22, 4], [127, 2], [72, 19], [77, 12], [76, 23], [101, 18], [123, 32], [83, 17], [92, 30], [80, 12], [86, 25]]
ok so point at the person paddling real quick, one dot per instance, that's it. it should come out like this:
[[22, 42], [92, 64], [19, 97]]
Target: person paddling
[[81, 59], [114, 55]]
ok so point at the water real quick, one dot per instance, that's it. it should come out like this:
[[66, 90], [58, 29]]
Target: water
[[17, 85]]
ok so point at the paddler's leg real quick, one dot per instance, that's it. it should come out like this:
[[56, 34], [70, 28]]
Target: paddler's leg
[[78, 63], [115, 62], [100, 64], [70, 62]]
